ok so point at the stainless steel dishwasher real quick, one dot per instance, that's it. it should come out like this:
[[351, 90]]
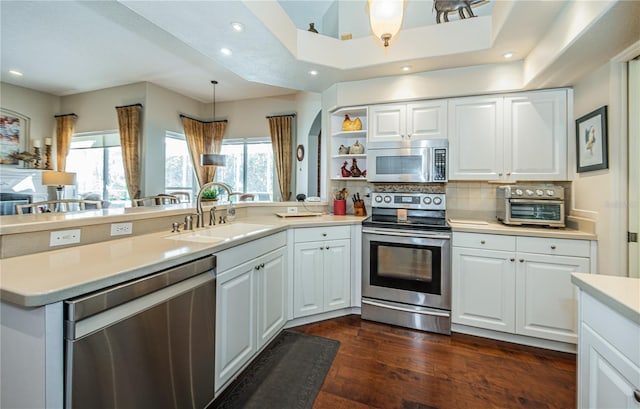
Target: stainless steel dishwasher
[[148, 343]]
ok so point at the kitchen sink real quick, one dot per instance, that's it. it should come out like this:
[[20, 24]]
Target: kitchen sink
[[220, 233]]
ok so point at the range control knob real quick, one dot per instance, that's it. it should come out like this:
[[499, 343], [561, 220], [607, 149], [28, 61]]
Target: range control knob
[[387, 199], [539, 192], [519, 192], [550, 192], [427, 200], [437, 201], [378, 199], [529, 192]]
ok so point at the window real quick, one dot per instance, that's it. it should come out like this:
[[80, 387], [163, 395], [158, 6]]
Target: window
[[249, 167], [96, 158], [178, 174]]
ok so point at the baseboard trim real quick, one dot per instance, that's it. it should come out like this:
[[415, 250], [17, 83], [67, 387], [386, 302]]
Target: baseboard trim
[[321, 317], [514, 338]]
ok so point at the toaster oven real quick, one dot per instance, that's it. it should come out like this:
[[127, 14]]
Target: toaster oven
[[541, 205]]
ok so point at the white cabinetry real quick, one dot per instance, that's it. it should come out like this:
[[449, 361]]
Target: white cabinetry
[[514, 137], [608, 358], [519, 285], [250, 303], [322, 270], [415, 121], [347, 139]]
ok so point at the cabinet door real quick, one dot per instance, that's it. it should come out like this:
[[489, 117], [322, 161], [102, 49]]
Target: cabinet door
[[427, 119], [235, 321], [547, 301], [476, 138], [387, 122], [308, 279], [608, 378], [536, 136], [483, 288], [272, 295], [337, 274]]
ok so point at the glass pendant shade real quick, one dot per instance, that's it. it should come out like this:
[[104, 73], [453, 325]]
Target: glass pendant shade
[[385, 17]]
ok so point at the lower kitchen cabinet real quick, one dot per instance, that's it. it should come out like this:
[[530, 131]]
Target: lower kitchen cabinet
[[322, 270], [608, 358], [250, 306], [519, 285]]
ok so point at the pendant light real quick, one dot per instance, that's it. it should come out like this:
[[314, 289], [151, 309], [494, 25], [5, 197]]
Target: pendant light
[[212, 159], [385, 17]]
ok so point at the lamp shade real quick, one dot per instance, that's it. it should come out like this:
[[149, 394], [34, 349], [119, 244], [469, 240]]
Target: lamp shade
[[385, 17], [53, 178], [212, 159]]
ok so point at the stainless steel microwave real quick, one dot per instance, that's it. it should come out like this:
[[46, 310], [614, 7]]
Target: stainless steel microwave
[[414, 162], [541, 205]]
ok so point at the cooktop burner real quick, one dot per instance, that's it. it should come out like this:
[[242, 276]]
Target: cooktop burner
[[413, 211]]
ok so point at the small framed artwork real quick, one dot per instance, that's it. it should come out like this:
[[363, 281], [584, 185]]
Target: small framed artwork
[[591, 141], [300, 153], [14, 135]]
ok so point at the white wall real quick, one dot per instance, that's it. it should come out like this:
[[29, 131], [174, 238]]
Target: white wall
[[39, 107]]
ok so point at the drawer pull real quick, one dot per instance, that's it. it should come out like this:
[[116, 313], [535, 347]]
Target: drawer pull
[[482, 241], [553, 247], [321, 248], [521, 260], [636, 395], [512, 259], [324, 234], [326, 248]]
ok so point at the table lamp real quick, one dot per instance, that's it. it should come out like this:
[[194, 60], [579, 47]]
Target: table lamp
[[59, 180]]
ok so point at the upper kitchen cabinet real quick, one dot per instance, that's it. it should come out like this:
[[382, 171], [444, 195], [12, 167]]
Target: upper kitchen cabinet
[[348, 144], [513, 137], [406, 122]]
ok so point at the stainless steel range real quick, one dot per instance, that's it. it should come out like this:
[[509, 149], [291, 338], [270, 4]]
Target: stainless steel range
[[406, 260]]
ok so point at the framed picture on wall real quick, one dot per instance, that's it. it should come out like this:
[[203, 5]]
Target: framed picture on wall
[[591, 141], [14, 135]]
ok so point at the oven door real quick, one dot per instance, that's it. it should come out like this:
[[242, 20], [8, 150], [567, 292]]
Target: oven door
[[407, 267]]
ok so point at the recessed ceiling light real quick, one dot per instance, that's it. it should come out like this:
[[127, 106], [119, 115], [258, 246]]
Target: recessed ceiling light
[[313, 72], [406, 68], [238, 27], [509, 54], [16, 73], [225, 51]]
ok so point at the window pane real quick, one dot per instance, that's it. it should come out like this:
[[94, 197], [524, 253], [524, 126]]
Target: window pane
[[233, 172], [178, 173], [260, 170]]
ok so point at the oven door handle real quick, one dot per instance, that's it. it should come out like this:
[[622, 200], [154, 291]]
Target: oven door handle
[[389, 232], [393, 307], [537, 201]]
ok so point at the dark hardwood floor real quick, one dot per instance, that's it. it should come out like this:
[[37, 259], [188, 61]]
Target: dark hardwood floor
[[382, 366]]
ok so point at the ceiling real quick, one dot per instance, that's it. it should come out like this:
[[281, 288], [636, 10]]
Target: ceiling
[[69, 47]]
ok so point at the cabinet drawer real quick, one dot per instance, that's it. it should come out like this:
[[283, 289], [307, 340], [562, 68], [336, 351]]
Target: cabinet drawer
[[484, 241], [322, 233], [560, 247]]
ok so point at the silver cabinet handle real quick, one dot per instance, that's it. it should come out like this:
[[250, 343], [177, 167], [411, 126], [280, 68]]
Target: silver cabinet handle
[[553, 247], [521, 260]]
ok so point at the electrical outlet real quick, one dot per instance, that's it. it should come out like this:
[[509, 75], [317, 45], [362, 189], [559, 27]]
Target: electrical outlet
[[121, 229], [292, 210], [64, 237]]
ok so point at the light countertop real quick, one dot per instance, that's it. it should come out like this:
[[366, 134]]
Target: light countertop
[[52, 276], [473, 225], [622, 294]]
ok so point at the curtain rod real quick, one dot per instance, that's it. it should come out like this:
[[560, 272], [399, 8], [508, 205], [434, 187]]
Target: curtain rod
[[132, 105], [280, 116], [60, 116], [199, 120]]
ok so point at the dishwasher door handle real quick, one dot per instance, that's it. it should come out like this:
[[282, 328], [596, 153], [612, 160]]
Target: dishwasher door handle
[[78, 329]]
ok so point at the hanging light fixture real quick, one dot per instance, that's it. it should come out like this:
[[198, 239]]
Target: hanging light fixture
[[212, 159], [385, 17]]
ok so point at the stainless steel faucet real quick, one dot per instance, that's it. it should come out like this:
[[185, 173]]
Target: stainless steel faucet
[[200, 218]]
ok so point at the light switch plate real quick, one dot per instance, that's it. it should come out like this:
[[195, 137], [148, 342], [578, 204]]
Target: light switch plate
[[64, 237], [292, 210]]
